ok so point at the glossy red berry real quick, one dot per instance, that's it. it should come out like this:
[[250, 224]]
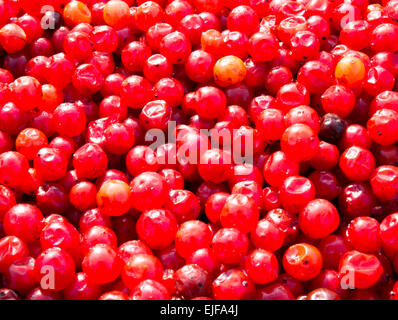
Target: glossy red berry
[[13, 168], [383, 126], [192, 281], [157, 228], [12, 249], [90, 161], [176, 47], [145, 187], [148, 14], [191, 236], [384, 182], [149, 290], [295, 192], [299, 142], [387, 232], [357, 163], [82, 289], [263, 46], [364, 270], [23, 221], [12, 37], [339, 100], [113, 198], [318, 219], [267, 236], [50, 163], [302, 261], [273, 172], [184, 204], [210, 102], [215, 165], [55, 269], [136, 91], [363, 234], [101, 264], [262, 266], [233, 284], [230, 245], [141, 267], [70, 119], [305, 45]]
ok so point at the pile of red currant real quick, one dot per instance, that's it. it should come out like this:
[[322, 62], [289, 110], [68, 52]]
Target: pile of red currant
[[98, 201]]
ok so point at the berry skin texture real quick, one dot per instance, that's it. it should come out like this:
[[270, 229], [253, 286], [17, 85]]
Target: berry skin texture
[[157, 227], [302, 261], [349, 71], [332, 128], [263, 46], [113, 198], [81, 289], [363, 233], [339, 100], [101, 264], [13, 168], [233, 284], [267, 236], [116, 14], [184, 204], [229, 70], [191, 236], [318, 219], [192, 281], [295, 192], [292, 95], [90, 161], [141, 267], [387, 230], [199, 66], [384, 182], [278, 167], [146, 187], [304, 45], [23, 221], [210, 102], [240, 14], [12, 37], [383, 126], [27, 92], [262, 266], [357, 163], [29, 141], [214, 205], [270, 124], [70, 120], [230, 245], [76, 12], [134, 55], [382, 38], [366, 269], [136, 91], [299, 142], [148, 14], [11, 249], [50, 163], [62, 266], [176, 47], [149, 290], [274, 292], [241, 212], [215, 165]]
